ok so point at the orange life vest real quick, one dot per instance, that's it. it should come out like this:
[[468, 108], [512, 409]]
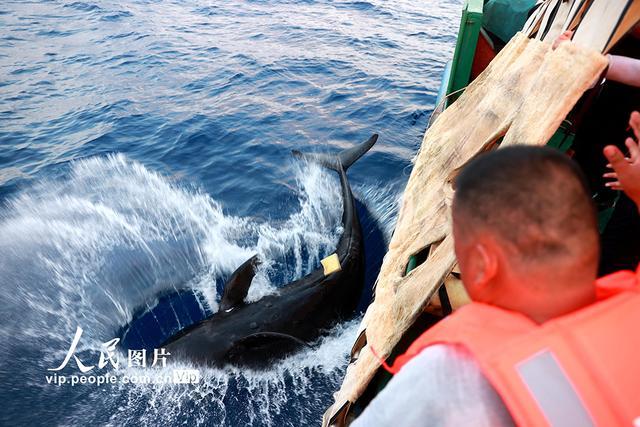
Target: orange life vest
[[579, 369]]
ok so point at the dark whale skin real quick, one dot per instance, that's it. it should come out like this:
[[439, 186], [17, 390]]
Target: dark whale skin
[[258, 333]]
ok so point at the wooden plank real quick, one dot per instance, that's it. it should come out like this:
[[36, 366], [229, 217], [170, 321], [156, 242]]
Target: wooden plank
[[600, 23], [631, 19], [549, 15], [557, 26], [533, 23], [578, 9]]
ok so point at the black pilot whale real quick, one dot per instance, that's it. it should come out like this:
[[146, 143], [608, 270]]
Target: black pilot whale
[[257, 333]]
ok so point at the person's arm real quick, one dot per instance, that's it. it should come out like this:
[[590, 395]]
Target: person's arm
[[624, 70], [626, 170]]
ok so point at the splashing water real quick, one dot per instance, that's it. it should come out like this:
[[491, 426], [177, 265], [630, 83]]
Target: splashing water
[[217, 95], [239, 397], [90, 250]]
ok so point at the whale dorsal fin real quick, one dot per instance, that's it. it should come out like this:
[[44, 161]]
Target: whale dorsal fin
[[238, 284]]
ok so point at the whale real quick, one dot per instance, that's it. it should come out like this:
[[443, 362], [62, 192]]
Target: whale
[[258, 333]]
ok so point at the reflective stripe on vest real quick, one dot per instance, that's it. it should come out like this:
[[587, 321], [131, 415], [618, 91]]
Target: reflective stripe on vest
[[553, 391]]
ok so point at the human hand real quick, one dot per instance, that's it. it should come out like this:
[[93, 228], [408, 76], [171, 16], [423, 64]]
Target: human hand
[[626, 170], [564, 37]]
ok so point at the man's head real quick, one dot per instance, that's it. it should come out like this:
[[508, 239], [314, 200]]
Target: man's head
[[525, 231]]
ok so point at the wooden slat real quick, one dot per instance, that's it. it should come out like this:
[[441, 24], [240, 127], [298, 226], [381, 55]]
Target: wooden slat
[[532, 25], [578, 9], [549, 15], [557, 26], [631, 18], [600, 22]]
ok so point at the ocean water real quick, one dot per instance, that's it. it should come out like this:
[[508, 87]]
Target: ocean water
[[145, 154]]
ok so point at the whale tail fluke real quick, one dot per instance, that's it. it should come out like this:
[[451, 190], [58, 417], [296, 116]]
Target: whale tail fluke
[[343, 160]]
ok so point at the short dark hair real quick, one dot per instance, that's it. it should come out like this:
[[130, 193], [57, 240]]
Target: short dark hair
[[534, 197]]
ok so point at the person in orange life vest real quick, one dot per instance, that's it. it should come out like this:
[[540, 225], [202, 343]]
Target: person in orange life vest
[[544, 343]]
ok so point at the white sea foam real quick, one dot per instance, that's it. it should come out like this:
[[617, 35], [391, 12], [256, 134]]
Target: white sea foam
[[92, 249], [234, 396]]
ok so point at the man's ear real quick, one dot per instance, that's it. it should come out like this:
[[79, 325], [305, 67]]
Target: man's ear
[[485, 266]]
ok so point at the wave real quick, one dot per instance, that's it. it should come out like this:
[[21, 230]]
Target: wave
[[89, 250], [115, 235]]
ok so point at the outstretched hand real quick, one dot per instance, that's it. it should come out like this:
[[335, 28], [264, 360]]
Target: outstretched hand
[[626, 170]]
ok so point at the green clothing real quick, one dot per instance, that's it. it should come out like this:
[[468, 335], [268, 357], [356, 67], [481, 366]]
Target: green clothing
[[505, 18]]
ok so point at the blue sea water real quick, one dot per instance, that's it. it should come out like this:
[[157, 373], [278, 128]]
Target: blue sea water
[[145, 154]]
